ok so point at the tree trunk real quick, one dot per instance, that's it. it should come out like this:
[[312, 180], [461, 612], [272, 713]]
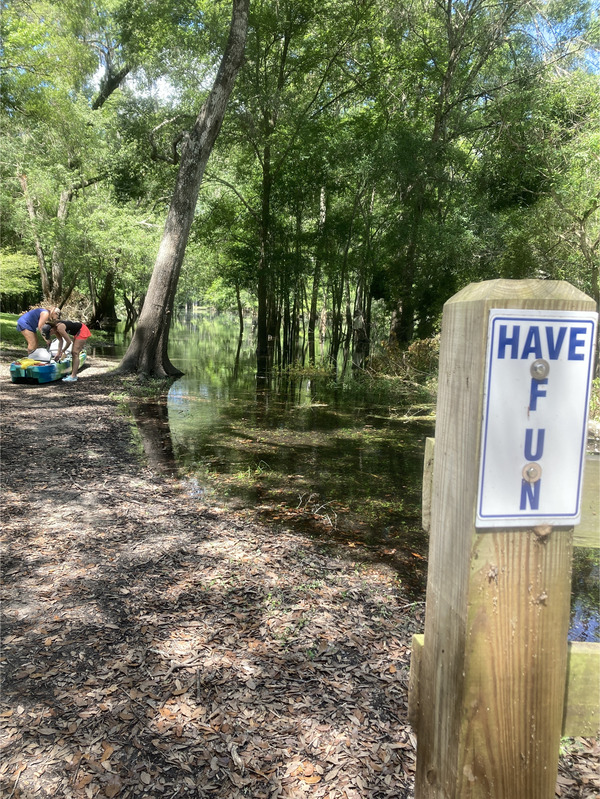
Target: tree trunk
[[240, 309], [262, 334], [312, 318], [337, 317], [109, 83], [147, 352], [39, 250], [361, 327], [64, 202], [104, 314], [131, 311], [395, 324], [337, 297]]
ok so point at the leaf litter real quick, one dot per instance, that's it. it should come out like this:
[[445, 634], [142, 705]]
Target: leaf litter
[[156, 646]]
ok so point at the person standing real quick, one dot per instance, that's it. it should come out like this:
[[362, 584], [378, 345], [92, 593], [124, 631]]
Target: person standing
[[64, 329], [31, 322]]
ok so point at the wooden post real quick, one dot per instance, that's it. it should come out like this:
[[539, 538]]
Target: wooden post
[[582, 700], [587, 534], [493, 667]]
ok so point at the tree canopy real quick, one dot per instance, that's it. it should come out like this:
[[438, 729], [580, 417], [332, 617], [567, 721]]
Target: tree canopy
[[371, 157]]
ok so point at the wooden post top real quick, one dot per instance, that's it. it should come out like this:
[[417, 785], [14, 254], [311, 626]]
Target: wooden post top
[[537, 292]]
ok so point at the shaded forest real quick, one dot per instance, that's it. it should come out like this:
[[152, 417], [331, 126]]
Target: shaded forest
[[373, 159]]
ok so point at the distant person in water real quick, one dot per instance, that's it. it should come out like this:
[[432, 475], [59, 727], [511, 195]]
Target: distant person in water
[[64, 329], [31, 322]]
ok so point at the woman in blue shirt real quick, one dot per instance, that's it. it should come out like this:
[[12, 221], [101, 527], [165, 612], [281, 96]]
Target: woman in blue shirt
[[32, 321]]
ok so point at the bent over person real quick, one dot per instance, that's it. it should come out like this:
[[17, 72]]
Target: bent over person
[[64, 329], [31, 322]]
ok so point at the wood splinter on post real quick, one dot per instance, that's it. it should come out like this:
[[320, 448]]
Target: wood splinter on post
[[543, 530]]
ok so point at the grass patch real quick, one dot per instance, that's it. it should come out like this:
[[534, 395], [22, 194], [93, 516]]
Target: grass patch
[[9, 335]]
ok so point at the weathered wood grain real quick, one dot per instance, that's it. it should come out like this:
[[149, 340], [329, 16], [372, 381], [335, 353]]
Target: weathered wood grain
[[582, 698], [581, 711], [493, 666], [587, 534], [427, 484]]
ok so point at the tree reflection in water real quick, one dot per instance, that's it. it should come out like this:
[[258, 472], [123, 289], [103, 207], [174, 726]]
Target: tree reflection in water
[[152, 422], [292, 437]]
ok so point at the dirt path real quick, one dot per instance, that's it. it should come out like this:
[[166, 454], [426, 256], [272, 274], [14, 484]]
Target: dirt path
[[157, 647]]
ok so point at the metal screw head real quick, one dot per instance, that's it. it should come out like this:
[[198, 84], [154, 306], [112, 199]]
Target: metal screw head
[[532, 472], [539, 369]]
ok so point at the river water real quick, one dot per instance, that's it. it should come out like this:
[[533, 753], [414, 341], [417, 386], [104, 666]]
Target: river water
[[340, 461]]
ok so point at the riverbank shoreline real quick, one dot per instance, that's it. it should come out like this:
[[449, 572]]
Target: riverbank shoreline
[[158, 646]]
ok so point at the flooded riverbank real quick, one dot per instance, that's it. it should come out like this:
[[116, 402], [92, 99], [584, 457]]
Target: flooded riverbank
[[341, 460]]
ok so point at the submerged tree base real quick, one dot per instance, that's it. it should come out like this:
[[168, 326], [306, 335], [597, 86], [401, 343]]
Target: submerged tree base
[[144, 373], [147, 364]]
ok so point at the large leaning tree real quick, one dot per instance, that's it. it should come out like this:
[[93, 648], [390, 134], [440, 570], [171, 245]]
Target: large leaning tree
[[147, 352]]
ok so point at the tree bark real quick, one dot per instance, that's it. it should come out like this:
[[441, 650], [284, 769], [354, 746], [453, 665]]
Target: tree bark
[[312, 318], [39, 250], [240, 309], [109, 83], [262, 336], [147, 352]]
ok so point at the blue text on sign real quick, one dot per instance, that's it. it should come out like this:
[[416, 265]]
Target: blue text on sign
[[540, 346], [536, 391]]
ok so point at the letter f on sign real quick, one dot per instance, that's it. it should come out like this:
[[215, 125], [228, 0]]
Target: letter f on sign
[[536, 391]]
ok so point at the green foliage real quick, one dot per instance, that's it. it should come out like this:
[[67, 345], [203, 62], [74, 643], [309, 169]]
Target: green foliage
[[543, 182], [46, 53], [171, 29], [446, 149], [18, 273]]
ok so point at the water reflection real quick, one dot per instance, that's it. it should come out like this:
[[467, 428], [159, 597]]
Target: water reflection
[[306, 452], [302, 450], [585, 610], [152, 425]]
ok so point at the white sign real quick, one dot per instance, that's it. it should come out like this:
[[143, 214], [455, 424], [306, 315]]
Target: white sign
[[535, 409]]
